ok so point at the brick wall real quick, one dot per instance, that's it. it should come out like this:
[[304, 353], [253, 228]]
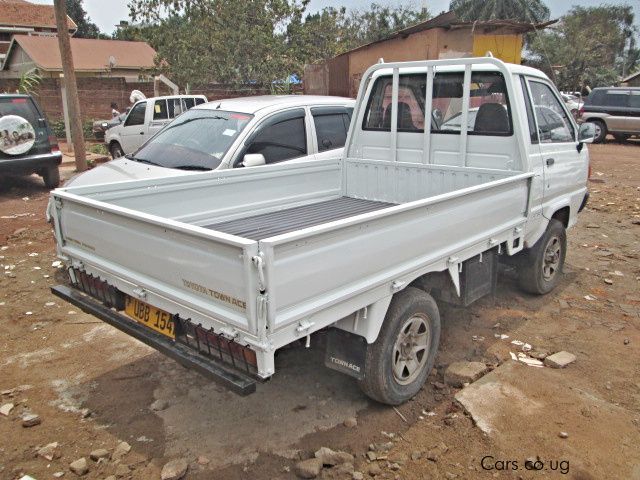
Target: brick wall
[[96, 94]]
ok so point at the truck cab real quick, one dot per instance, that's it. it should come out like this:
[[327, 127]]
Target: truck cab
[[146, 118]]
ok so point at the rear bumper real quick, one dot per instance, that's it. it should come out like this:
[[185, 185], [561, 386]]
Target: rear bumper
[[236, 381], [30, 163]]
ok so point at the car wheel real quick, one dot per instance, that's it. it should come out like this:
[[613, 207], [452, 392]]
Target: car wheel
[[116, 150], [540, 267], [51, 176], [398, 363], [601, 131]]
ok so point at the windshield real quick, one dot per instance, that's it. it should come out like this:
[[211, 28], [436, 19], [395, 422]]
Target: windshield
[[196, 140]]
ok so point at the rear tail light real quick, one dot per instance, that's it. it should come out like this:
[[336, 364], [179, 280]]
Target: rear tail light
[[580, 111], [53, 141]]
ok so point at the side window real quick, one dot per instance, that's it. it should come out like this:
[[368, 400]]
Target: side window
[[175, 107], [200, 101], [281, 141], [160, 110], [189, 102], [634, 101], [553, 123], [136, 115], [533, 133], [331, 130], [617, 98]]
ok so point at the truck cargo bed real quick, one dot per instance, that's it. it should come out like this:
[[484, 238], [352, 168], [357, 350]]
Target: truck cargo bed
[[258, 227]]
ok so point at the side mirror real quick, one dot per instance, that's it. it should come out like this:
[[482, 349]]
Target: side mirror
[[586, 133], [253, 160]]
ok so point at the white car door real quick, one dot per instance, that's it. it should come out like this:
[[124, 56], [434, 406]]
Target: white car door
[[134, 129], [562, 163], [159, 118], [330, 126], [281, 137]]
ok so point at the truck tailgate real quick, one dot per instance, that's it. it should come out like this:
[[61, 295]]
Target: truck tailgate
[[194, 272]]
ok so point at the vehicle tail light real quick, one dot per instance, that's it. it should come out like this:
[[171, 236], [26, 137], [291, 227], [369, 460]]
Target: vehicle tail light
[[580, 111], [53, 141]]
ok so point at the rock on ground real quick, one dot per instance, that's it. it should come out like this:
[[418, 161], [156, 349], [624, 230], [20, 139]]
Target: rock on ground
[[331, 458], [79, 467], [559, 359], [48, 451], [459, 373], [31, 420], [351, 422], [6, 409], [121, 450], [99, 453], [174, 470], [308, 468], [159, 405]]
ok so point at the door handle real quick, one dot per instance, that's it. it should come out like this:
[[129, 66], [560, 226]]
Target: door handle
[[550, 161], [142, 133]]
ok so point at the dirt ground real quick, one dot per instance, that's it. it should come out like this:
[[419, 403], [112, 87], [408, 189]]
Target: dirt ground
[[93, 386]]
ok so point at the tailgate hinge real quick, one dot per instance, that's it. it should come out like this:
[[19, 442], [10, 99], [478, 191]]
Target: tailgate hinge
[[258, 261]]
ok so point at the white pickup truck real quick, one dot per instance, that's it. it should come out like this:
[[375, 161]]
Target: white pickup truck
[[221, 269], [146, 118]]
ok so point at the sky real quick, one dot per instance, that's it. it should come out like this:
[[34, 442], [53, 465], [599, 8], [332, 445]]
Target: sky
[[108, 13]]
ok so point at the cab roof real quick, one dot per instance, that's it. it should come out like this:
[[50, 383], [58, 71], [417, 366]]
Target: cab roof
[[480, 67], [258, 103]]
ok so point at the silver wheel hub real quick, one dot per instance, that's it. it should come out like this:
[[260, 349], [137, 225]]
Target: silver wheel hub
[[411, 349], [551, 259]]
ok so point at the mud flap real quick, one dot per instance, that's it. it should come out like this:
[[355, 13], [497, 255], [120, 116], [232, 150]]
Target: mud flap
[[345, 353]]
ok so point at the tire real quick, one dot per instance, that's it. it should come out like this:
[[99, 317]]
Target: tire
[[51, 177], [540, 267], [116, 150], [601, 131], [411, 312]]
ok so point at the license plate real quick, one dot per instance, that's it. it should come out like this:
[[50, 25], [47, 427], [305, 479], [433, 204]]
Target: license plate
[[148, 315]]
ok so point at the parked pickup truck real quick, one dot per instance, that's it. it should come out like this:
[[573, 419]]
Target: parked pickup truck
[[146, 118], [219, 270]]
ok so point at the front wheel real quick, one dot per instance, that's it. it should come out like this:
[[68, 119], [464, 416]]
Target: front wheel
[[116, 150], [540, 267], [399, 361], [601, 131]]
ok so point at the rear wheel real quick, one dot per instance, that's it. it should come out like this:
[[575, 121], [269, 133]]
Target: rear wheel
[[601, 131], [51, 176], [399, 361], [116, 150], [540, 267]]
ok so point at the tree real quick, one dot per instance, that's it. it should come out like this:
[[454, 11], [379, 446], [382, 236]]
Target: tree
[[71, 87], [534, 11], [592, 47], [86, 28], [199, 41]]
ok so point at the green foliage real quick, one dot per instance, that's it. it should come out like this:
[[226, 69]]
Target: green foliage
[[592, 47], [29, 80], [332, 31], [59, 131], [254, 41], [99, 149], [534, 11], [86, 28]]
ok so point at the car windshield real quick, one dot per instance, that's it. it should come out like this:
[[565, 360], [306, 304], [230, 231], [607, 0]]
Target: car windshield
[[196, 140]]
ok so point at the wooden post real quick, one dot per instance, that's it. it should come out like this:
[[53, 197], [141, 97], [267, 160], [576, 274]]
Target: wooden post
[[73, 102]]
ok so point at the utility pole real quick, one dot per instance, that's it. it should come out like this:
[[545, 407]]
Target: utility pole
[[71, 87]]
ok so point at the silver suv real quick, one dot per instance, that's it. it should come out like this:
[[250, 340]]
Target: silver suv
[[614, 110]]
